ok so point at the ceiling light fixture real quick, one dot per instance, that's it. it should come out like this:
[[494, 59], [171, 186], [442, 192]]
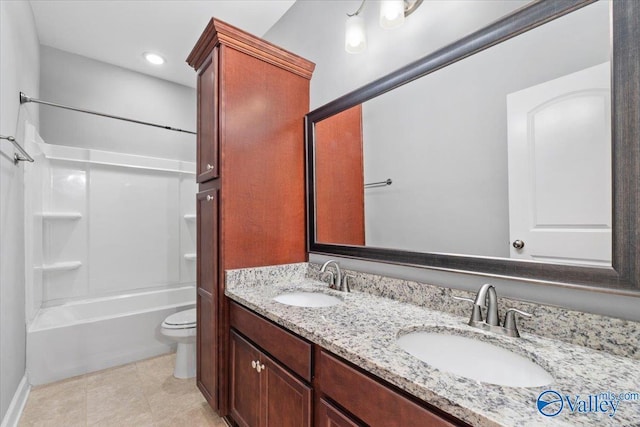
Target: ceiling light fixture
[[392, 15], [153, 58]]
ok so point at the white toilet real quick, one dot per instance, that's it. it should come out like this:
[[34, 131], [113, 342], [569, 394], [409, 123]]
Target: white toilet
[[181, 327]]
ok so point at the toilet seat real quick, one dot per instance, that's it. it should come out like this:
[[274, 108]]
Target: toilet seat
[[182, 320]]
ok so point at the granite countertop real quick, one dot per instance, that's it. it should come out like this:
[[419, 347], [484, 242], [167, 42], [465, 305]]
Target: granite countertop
[[364, 328]]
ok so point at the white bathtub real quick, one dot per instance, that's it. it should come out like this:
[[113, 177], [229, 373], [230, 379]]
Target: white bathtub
[[86, 336]]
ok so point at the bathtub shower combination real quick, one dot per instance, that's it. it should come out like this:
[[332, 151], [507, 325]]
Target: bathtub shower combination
[[110, 254]]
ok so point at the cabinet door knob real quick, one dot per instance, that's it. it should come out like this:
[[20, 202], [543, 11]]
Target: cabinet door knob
[[209, 197], [209, 166], [260, 367], [518, 244], [254, 364]]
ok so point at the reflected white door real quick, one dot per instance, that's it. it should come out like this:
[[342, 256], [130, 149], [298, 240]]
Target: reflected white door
[[560, 169]]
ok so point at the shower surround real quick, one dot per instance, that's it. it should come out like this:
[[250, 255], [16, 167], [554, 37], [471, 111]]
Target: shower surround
[[109, 236]]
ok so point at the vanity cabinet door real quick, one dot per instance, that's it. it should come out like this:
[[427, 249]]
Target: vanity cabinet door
[[207, 261], [206, 357], [287, 400], [263, 393], [207, 147], [330, 416], [245, 382], [207, 277]]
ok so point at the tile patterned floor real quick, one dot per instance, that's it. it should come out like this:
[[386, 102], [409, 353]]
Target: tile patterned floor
[[141, 394]]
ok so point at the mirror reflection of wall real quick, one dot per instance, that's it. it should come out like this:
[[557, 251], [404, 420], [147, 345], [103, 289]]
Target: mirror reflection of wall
[[444, 140]]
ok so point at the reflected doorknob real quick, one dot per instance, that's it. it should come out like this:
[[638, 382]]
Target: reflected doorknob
[[518, 244]]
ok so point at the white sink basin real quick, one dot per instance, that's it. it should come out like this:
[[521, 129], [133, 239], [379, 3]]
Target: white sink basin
[[474, 359], [308, 299]]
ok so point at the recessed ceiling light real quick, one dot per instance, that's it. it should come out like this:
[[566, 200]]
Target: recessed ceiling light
[[153, 58]]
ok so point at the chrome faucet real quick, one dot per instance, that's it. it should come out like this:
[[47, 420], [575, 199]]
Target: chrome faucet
[[488, 298], [338, 281]]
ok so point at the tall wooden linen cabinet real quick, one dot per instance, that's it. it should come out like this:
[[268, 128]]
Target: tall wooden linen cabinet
[[252, 98]]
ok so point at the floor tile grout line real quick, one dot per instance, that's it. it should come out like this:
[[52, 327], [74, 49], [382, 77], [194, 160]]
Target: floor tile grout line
[[144, 391], [86, 400]]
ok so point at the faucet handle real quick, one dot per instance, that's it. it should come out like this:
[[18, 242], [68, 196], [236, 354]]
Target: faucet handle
[[345, 282], [476, 313], [510, 321]]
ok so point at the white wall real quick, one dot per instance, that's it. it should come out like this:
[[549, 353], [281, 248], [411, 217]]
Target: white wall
[[19, 68], [315, 30], [85, 83]]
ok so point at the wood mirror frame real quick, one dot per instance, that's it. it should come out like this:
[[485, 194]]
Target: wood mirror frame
[[623, 277]]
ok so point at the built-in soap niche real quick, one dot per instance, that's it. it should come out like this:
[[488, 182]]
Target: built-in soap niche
[[190, 222], [65, 219]]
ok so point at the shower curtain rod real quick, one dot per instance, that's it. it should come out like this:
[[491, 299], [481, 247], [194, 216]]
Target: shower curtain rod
[[24, 99]]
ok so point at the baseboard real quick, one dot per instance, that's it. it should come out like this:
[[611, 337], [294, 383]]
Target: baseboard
[[16, 407]]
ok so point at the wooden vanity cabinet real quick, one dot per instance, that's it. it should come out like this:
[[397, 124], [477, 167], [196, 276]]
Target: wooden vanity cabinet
[[270, 371], [207, 166], [263, 393], [328, 415], [368, 399], [291, 350], [245, 382], [207, 277], [252, 99], [292, 371]]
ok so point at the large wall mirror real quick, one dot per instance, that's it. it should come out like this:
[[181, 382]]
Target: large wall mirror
[[512, 152]]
